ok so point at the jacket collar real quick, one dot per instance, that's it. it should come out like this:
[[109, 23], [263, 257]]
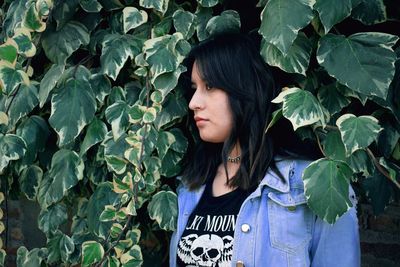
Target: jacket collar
[[272, 180]]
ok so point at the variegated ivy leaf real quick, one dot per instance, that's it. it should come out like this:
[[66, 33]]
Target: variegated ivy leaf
[[133, 17], [332, 99], [184, 22], [29, 181], [297, 58], [281, 21], [51, 218], [159, 5], [12, 147], [111, 5], [95, 133], [164, 54], [117, 116], [49, 81], [163, 208], [357, 132], [203, 15], [168, 81], [32, 20], [43, 7], [116, 51], [9, 51], [208, 3], [174, 108], [60, 248], [331, 13], [34, 258], [10, 78], [2, 256], [13, 17], [101, 86], [363, 61], [76, 99], [326, 184], [92, 252], [360, 162], [22, 38], [63, 11], [90, 5], [301, 107], [133, 257], [102, 196], [65, 172], [370, 12], [24, 101], [170, 140], [59, 45], [227, 21], [114, 152]]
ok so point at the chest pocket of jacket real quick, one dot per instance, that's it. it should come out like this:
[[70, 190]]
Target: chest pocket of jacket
[[290, 221]]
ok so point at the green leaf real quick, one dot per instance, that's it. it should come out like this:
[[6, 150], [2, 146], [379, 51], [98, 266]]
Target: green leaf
[[35, 132], [2, 257], [22, 38], [14, 15], [110, 5], [174, 108], [60, 247], [301, 107], [59, 45], [116, 51], [63, 11], [296, 59], [360, 162], [30, 180], [96, 132], [102, 196], [51, 218], [32, 20], [326, 185], [24, 101], [117, 116], [333, 146], [92, 252], [163, 208], [389, 137], [184, 22], [10, 78], [357, 132], [149, 115], [90, 5], [159, 5], [167, 81], [33, 258], [281, 21], [162, 54], [8, 52], [12, 147], [332, 99], [228, 21], [363, 61], [132, 258], [49, 81], [370, 12], [101, 86], [203, 15], [76, 99], [208, 3], [133, 17], [65, 172], [332, 13]]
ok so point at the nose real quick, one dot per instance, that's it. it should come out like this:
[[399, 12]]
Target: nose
[[196, 102]]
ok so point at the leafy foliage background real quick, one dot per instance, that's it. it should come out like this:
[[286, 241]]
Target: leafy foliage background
[[92, 115]]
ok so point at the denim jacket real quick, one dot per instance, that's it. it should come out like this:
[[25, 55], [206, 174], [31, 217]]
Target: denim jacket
[[275, 227]]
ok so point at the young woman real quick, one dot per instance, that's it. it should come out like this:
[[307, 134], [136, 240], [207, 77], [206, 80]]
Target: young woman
[[241, 202]]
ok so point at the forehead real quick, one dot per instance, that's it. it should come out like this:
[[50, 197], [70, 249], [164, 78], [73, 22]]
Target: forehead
[[195, 75]]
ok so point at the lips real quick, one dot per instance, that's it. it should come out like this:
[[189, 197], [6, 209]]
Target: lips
[[199, 120]]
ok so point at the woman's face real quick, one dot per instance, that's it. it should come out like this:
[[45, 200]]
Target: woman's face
[[211, 109]]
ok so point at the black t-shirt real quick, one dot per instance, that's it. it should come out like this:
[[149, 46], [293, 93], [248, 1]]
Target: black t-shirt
[[208, 237]]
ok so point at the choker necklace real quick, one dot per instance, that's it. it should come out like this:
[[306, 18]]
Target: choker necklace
[[234, 159]]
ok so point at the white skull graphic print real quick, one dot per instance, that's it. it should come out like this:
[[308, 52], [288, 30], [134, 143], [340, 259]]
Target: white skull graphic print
[[207, 250]]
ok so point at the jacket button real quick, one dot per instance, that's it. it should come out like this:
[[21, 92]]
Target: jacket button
[[245, 228], [239, 264]]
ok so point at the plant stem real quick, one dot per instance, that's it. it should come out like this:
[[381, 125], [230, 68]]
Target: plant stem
[[381, 169]]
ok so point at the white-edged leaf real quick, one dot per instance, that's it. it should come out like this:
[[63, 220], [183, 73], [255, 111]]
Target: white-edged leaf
[[163, 208], [133, 17]]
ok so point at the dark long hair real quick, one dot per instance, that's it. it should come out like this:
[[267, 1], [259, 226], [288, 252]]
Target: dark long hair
[[232, 62]]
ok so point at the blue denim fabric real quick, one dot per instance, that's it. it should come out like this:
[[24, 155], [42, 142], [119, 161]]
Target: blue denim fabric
[[283, 230]]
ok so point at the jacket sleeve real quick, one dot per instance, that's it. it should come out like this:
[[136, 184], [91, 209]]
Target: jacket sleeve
[[337, 244]]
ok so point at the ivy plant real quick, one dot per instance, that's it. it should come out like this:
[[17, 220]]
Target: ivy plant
[[92, 115]]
